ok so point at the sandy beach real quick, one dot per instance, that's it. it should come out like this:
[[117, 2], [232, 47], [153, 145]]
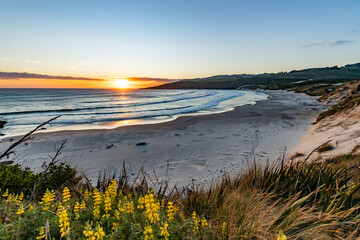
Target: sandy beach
[[196, 148]]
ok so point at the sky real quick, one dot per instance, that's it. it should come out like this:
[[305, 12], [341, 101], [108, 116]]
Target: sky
[[174, 39]]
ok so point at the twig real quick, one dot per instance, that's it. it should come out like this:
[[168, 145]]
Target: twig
[[57, 153], [8, 151]]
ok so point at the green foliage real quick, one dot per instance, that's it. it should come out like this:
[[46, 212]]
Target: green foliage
[[18, 179]]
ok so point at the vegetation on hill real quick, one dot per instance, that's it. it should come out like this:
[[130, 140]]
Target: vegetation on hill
[[315, 77], [347, 98]]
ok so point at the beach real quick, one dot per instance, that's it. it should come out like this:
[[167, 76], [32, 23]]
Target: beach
[[196, 149]]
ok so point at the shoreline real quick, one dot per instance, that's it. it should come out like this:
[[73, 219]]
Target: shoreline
[[224, 105], [196, 148]]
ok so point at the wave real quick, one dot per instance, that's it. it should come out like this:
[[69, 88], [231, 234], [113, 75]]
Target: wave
[[162, 112], [104, 107]]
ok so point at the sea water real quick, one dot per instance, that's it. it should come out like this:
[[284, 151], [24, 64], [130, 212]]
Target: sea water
[[24, 109]]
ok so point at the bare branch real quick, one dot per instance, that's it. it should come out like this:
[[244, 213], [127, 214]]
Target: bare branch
[[53, 160], [9, 150]]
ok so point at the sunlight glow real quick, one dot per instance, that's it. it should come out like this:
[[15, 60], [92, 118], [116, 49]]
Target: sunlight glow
[[122, 83]]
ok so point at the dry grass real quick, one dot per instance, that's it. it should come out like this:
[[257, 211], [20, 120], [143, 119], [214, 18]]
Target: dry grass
[[325, 147]]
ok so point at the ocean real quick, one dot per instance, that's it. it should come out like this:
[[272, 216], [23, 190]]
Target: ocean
[[24, 109]]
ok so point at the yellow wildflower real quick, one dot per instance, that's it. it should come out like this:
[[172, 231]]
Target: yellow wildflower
[[204, 222], [148, 233], [76, 207], [47, 199], [21, 197], [86, 194], [41, 234], [281, 235], [112, 189], [171, 211], [141, 202], [164, 231], [82, 205], [223, 229], [107, 205], [196, 222], [94, 235], [99, 234], [66, 194], [6, 193], [97, 202], [152, 208], [20, 210], [64, 222]]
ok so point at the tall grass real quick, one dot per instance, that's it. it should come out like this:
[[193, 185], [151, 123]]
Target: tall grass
[[302, 200]]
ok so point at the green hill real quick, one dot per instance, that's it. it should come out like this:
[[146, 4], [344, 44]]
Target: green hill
[[281, 80]]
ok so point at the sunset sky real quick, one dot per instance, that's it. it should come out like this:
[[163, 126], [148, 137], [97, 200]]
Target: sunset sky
[[171, 39]]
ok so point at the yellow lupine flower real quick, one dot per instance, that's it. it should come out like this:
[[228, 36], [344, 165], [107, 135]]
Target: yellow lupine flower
[[82, 205], [21, 197], [281, 235], [97, 202], [112, 189], [171, 211], [148, 233], [223, 229], [20, 210], [99, 234], [86, 194], [66, 194], [76, 207], [41, 234], [107, 205], [94, 235], [88, 232], [141, 202], [64, 222], [204, 223], [164, 231], [152, 208], [47, 199], [196, 222], [6, 193]]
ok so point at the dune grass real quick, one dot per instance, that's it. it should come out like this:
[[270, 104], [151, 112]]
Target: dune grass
[[277, 201]]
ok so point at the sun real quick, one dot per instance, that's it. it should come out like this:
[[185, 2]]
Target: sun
[[122, 83]]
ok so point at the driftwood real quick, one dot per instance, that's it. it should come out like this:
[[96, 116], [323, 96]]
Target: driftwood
[[9, 151]]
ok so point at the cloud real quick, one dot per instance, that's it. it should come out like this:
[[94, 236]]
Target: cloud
[[329, 44], [354, 31], [314, 45], [24, 75], [17, 75], [162, 80], [340, 43], [33, 61]]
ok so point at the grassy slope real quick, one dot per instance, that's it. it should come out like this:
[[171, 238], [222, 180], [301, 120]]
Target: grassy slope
[[283, 80]]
